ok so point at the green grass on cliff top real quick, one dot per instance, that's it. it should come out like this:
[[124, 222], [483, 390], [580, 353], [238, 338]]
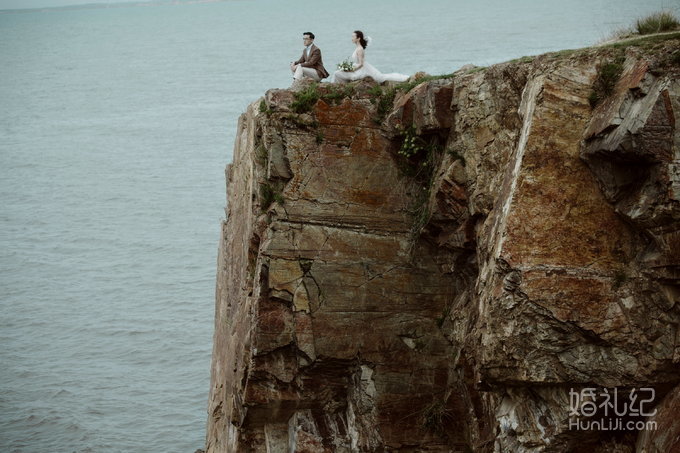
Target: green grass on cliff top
[[647, 32], [661, 22], [644, 42]]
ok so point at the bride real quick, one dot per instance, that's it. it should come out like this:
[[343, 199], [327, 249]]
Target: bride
[[361, 68]]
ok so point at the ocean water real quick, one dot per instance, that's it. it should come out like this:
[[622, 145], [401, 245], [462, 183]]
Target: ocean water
[[116, 124]]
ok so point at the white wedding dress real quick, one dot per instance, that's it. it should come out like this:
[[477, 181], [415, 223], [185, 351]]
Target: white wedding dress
[[367, 70]]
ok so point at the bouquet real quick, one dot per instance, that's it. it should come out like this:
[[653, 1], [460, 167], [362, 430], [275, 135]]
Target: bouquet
[[346, 65]]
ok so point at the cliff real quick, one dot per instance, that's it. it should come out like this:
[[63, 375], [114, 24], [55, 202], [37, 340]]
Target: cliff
[[442, 266]]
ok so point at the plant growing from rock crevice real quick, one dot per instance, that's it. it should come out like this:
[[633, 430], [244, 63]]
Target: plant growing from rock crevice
[[305, 99], [264, 109], [262, 155], [608, 75], [412, 144], [436, 416], [270, 194], [418, 148], [440, 320], [383, 99], [419, 156], [409, 85], [335, 95]]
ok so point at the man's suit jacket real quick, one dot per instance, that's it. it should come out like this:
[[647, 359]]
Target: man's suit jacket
[[313, 61]]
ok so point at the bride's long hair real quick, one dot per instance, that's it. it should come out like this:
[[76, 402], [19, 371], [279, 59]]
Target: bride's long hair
[[362, 40]]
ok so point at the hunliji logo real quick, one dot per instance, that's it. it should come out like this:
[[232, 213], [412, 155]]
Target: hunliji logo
[[606, 410]]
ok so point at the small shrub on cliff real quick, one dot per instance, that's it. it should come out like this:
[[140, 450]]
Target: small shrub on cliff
[[446, 312], [384, 98], [606, 80], [657, 23], [263, 108], [269, 195], [419, 157], [336, 94], [375, 91], [262, 155], [305, 99], [421, 216], [412, 144], [436, 416], [408, 86]]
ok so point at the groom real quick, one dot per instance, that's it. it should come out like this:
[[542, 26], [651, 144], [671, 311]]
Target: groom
[[310, 63]]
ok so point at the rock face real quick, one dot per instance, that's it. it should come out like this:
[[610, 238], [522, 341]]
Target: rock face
[[447, 273]]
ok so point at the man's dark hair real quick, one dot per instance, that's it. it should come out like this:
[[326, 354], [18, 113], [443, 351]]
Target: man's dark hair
[[308, 33]]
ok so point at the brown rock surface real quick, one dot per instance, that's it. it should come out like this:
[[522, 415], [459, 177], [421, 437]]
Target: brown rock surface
[[664, 436], [451, 300]]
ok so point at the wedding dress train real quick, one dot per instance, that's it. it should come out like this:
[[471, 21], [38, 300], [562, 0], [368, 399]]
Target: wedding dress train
[[367, 70]]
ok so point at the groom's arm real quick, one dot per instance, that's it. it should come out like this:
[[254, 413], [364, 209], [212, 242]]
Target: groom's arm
[[313, 60]]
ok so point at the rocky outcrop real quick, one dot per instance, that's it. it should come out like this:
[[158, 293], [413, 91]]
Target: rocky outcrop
[[465, 267]]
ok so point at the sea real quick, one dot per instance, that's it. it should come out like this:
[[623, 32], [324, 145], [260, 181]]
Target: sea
[[116, 123]]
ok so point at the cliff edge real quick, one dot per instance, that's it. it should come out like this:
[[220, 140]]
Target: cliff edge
[[460, 264]]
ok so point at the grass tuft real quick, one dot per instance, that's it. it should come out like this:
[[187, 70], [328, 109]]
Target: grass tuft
[[657, 23], [418, 158], [412, 144], [384, 98], [660, 22], [262, 155], [525, 59], [305, 99], [335, 95], [436, 416], [408, 86], [607, 77], [269, 195]]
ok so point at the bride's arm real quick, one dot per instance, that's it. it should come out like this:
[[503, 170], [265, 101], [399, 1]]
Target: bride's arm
[[360, 59]]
